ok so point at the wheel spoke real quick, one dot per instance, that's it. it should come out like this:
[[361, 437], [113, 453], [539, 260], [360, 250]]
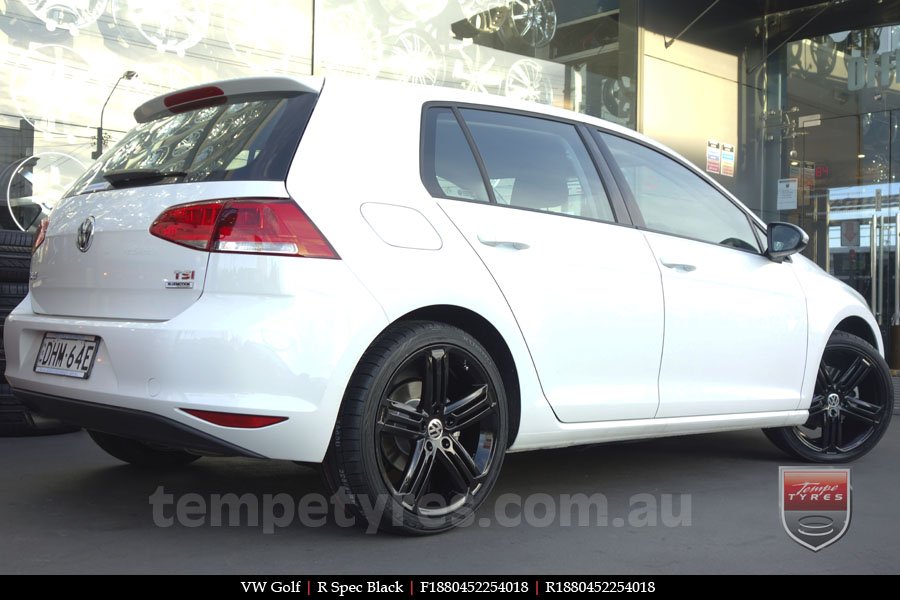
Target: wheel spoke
[[470, 409], [823, 379], [831, 433], [817, 406], [864, 411], [434, 386], [459, 464], [854, 374], [418, 473], [401, 420]]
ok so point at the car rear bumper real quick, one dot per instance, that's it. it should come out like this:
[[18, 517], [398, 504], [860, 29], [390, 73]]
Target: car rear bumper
[[287, 356], [136, 424]]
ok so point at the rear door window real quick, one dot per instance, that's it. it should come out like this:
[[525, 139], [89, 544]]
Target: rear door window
[[538, 164]]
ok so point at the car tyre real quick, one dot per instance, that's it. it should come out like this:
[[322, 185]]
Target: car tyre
[[141, 454], [15, 418], [15, 256], [421, 432], [851, 407]]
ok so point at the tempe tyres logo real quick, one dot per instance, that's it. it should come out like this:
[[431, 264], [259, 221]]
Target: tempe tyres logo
[[815, 505]]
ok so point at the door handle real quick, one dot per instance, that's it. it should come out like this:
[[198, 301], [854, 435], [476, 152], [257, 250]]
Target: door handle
[[513, 245], [683, 267]]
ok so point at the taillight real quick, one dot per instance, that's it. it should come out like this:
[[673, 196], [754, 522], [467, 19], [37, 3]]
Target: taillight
[[270, 226], [40, 235]]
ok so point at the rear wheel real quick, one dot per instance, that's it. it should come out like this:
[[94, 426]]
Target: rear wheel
[[141, 454], [422, 430], [851, 406]]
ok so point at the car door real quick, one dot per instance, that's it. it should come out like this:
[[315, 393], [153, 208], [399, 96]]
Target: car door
[[735, 321], [584, 289]]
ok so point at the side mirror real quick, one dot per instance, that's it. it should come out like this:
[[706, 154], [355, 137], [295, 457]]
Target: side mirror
[[785, 239]]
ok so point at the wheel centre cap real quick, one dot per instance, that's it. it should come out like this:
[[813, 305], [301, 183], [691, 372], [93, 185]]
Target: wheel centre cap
[[435, 429], [833, 400]]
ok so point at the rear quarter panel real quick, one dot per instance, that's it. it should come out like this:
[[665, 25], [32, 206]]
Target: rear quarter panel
[[360, 148]]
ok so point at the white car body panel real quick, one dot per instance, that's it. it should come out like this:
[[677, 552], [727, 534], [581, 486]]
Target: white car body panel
[[451, 276], [123, 275], [231, 351], [635, 429], [735, 321], [829, 302], [588, 299], [281, 336]]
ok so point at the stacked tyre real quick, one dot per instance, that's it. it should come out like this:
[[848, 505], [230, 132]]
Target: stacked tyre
[[15, 264]]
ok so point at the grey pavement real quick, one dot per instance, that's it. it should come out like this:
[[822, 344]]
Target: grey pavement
[[66, 507]]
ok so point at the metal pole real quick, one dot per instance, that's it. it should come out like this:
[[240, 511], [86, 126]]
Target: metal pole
[[791, 37], [873, 273], [126, 75], [689, 25], [880, 269], [895, 318]]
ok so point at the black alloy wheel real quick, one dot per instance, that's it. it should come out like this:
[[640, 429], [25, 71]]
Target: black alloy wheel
[[851, 406], [424, 426]]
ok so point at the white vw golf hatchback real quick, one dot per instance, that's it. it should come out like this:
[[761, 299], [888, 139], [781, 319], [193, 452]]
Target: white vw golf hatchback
[[405, 283]]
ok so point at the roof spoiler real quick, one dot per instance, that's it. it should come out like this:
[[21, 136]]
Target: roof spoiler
[[220, 92]]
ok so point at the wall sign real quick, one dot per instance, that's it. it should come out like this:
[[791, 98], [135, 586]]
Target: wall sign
[[728, 160], [713, 157], [874, 71], [850, 234], [787, 194]]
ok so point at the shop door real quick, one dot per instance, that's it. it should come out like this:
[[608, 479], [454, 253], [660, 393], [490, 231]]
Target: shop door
[[848, 200]]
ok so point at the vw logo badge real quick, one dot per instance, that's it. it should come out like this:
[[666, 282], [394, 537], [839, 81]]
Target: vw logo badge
[[85, 234], [435, 429]]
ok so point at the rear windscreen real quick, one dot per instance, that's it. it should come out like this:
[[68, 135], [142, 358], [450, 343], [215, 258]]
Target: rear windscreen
[[238, 141]]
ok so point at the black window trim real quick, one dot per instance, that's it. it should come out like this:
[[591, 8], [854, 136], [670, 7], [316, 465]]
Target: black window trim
[[607, 178], [632, 204], [621, 214], [427, 174], [479, 160]]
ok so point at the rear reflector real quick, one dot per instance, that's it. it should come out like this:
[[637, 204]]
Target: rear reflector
[[256, 226], [236, 420]]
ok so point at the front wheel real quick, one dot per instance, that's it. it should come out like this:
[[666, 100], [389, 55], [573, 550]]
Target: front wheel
[[422, 430], [851, 406]]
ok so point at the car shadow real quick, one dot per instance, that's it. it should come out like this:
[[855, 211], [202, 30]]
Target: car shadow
[[110, 492]]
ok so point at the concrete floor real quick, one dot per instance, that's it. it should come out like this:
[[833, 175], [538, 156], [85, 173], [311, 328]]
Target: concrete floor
[[69, 508]]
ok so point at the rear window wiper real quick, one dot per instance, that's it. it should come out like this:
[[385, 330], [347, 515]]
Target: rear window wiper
[[129, 177]]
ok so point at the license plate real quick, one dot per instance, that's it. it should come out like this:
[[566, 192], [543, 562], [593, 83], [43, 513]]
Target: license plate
[[67, 354]]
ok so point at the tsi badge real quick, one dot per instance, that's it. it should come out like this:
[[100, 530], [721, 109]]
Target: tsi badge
[[815, 504], [183, 280]]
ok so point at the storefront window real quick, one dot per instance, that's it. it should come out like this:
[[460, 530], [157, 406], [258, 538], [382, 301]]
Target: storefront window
[[561, 53], [60, 60], [841, 152]]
